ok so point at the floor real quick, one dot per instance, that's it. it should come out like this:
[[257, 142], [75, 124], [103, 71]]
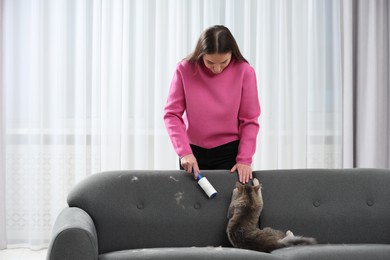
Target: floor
[[22, 254]]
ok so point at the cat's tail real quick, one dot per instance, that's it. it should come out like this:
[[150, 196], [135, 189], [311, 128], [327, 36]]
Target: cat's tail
[[297, 240]]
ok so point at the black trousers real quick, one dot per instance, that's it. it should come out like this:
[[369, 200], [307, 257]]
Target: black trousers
[[218, 158]]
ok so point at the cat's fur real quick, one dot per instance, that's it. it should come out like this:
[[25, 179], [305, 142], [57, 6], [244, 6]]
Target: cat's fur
[[242, 229]]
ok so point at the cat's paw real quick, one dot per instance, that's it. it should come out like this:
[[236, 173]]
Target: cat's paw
[[255, 182], [289, 233]]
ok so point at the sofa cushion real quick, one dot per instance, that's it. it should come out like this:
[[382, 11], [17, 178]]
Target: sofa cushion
[[335, 252], [188, 253], [151, 209], [333, 205]]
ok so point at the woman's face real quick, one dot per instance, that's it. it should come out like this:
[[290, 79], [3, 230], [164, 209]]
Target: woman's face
[[217, 62]]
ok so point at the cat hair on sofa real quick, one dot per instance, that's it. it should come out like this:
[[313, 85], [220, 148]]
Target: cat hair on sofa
[[243, 229]]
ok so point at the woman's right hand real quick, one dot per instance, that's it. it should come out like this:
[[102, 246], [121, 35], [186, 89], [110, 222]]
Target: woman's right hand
[[190, 164]]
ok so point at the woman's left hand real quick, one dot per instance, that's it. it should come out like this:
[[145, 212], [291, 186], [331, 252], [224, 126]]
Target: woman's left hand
[[244, 172]]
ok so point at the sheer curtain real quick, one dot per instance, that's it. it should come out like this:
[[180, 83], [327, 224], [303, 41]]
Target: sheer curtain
[[85, 82], [3, 242], [298, 62]]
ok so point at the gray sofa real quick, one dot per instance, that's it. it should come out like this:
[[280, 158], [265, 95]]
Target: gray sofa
[[165, 215]]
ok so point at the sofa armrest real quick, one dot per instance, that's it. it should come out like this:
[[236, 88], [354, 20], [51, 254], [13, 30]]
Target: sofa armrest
[[74, 237]]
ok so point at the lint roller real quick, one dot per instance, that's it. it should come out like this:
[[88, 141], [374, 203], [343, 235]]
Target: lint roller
[[206, 186]]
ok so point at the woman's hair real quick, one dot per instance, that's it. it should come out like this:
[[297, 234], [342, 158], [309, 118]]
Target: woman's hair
[[216, 39]]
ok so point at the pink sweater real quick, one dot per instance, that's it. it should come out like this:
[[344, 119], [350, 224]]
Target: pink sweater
[[209, 110]]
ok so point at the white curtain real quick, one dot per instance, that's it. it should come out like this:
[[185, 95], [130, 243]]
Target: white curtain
[[297, 57], [85, 82], [3, 240]]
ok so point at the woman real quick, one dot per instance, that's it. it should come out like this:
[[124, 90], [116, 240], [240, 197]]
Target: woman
[[212, 109]]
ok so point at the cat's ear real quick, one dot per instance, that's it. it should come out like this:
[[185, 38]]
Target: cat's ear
[[256, 188]]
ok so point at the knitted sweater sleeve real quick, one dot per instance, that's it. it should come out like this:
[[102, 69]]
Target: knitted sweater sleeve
[[248, 118], [173, 116]]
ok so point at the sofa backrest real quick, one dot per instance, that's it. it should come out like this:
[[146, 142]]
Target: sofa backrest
[[147, 209], [333, 205]]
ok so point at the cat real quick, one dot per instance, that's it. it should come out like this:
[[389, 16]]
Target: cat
[[242, 229]]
